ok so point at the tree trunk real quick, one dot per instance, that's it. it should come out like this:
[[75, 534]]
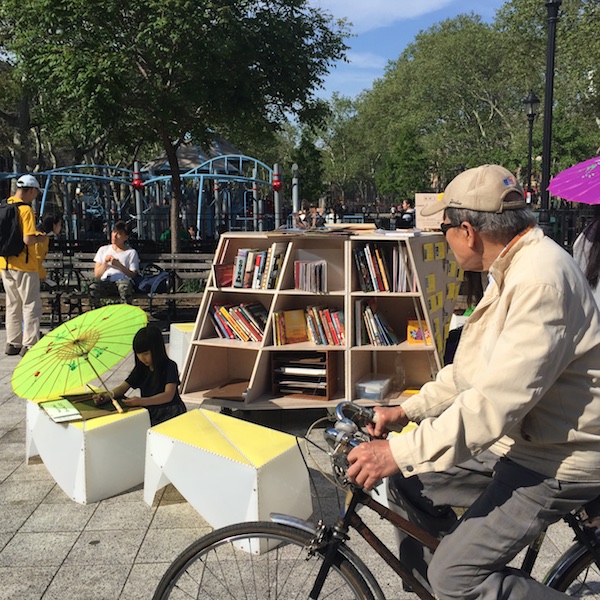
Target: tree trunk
[[171, 151]]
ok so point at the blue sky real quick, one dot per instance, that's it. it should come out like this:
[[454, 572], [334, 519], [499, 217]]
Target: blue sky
[[383, 29]]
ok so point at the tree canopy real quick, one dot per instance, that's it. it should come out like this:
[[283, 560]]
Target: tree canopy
[[156, 70]]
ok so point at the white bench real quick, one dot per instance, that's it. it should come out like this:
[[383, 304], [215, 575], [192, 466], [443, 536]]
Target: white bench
[[229, 470], [90, 460]]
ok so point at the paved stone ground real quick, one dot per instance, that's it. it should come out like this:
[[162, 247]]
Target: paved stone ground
[[52, 548]]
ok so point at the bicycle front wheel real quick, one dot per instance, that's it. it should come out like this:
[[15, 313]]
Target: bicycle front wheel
[[260, 561], [575, 573]]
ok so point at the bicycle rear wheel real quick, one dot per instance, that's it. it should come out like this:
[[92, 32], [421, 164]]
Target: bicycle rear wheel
[[261, 561]]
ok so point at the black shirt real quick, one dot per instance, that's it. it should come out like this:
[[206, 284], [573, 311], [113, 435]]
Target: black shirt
[[151, 383]]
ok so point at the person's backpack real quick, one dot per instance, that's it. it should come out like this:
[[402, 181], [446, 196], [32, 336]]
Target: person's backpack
[[153, 280], [11, 235]]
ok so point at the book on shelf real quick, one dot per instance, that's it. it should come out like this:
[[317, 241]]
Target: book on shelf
[[317, 324], [371, 325], [295, 326], [259, 269], [310, 276], [224, 274], [381, 269], [249, 269], [61, 411], [240, 266], [234, 321], [273, 265]]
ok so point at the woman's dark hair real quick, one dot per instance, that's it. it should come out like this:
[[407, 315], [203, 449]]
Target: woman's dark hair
[[592, 234], [49, 221], [150, 338]]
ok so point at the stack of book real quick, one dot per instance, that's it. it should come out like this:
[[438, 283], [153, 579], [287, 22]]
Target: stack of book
[[383, 268], [318, 324], [371, 326], [259, 269], [310, 276], [245, 322], [304, 375]]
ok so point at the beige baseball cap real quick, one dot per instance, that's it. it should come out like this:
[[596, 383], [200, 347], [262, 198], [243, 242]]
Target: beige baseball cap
[[483, 188]]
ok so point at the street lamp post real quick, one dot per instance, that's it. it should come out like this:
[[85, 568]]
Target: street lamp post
[[553, 7], [532, 104]]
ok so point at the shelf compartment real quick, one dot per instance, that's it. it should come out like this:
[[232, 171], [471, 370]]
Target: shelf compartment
[[317, 248], [309, 375], [217, 365], [396, 312], [408, 370], [381, 266]]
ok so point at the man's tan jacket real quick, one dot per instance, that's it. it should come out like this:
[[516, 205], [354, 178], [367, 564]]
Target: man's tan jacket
[[525, 381]]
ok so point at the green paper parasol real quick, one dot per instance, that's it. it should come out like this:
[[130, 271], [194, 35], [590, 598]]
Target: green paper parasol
[[78, 351]]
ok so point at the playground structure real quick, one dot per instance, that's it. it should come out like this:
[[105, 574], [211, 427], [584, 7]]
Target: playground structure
[[224, 193]]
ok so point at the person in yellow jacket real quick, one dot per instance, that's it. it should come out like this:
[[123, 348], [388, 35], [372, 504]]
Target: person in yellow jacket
[[51, 226], [20, 276]]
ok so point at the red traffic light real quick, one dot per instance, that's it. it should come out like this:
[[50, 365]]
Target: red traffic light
[[277, 184]]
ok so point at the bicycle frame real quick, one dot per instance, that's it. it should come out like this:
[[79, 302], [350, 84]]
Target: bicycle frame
[[349, 519]]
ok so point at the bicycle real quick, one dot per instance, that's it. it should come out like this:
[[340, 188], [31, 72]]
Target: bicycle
[[293, 558]]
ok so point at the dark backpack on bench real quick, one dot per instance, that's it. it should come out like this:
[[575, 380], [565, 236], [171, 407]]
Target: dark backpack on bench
[[153, 280]]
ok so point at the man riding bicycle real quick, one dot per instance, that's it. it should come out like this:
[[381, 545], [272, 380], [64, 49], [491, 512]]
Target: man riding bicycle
[[511, 429]]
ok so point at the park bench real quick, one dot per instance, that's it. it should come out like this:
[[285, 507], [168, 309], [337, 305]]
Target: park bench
[[188, 273], [72, 274]]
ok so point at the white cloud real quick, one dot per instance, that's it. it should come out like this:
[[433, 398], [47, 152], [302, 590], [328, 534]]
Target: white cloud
[[366, 15], [367, 60]]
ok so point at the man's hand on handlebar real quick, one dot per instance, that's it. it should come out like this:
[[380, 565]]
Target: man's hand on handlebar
[[370, 463], [388, 419]]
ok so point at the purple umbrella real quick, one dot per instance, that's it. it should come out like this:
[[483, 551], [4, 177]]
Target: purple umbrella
[[579, 183]]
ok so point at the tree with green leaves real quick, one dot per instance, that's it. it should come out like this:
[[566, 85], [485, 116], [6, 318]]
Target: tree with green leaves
[[405, 169], [147, 70]]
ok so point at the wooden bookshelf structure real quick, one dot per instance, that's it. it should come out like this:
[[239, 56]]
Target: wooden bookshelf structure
[[404, 279]]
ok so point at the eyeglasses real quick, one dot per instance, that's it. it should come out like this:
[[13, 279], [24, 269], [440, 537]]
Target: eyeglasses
[[446, 226]]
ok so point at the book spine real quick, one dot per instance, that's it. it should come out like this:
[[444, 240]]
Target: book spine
[[258, 326], [238, 314], [382, 268], [267, 269], [249, 269], [333, 334], [338, 322], [319, 333], [258, 269], [223, 323], [326, 330], [240, 265], [240, 333], [312, 328], [371, 267], [359, 270]]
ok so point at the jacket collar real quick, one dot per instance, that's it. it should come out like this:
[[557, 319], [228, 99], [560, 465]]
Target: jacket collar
[[498, 268]]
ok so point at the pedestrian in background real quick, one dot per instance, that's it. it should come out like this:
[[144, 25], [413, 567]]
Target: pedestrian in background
[[586, 252], [51, 226], [20, 276]]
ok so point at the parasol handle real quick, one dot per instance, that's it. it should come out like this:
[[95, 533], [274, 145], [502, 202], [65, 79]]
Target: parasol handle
[[110, 393], [115, 403]]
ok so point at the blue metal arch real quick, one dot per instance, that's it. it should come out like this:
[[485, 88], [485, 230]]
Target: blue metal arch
[[223, 168]]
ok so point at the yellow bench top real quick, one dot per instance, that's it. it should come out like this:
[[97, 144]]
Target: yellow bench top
[[226, 436]]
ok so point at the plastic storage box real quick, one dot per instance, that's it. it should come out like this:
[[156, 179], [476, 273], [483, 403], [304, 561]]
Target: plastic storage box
[[373, 387]]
